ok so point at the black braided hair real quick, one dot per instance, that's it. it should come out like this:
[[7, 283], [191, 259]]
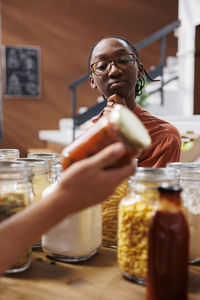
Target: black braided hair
[[141, 80]]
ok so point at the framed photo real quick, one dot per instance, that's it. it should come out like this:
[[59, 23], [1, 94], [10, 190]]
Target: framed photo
[[22, 72]]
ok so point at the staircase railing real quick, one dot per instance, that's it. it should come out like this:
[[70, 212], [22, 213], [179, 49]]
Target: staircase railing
[[157, 71]]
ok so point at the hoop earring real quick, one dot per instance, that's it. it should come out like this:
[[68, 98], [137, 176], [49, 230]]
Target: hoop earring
[[139, 86]]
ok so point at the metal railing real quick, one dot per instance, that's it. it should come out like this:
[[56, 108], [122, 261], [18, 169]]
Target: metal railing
[[157, 71]]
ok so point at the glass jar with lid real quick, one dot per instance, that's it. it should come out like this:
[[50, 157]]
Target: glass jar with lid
[[189, 179], [52, 158], [39, 178], [77, 238], [15, 195], [10, 154], [135, 214]]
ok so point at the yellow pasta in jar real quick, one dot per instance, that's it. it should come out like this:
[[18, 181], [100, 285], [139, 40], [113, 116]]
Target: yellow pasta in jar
[[134, 218]]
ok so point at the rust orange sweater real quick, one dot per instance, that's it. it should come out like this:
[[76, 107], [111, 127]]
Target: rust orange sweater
[[166, 141]]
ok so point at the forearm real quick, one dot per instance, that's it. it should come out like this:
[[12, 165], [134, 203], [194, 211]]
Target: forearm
[[19, 232]]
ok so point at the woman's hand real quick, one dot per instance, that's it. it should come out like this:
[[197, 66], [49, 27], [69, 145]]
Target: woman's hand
[[112, 100], [90, 181]]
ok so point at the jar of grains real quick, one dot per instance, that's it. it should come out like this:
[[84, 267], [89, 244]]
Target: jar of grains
[[135, 213], [189, 179], [15, 195], [52, 158]]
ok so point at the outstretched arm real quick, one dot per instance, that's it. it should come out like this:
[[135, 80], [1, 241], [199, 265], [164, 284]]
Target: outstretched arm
[[85, 183]]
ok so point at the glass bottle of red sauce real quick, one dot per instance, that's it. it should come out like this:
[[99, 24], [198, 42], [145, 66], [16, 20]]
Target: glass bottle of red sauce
[[168, 248], [119, 125]]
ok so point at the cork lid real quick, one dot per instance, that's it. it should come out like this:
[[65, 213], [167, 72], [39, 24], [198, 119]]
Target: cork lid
[[131, 126]]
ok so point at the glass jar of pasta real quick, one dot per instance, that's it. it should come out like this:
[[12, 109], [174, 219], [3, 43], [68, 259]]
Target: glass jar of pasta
[[135, 213], [39, 178], [15, 195], [10, 154], [52, 158], [189, 179]]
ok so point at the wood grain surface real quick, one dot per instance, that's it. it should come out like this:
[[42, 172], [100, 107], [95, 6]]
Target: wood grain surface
[[97, 278], [65, 31]]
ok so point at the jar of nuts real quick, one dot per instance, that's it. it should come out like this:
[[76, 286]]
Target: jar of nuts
[[135, 213]]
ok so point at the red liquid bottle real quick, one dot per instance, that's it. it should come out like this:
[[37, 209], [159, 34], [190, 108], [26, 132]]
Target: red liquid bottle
[[168, 248], [121, 125]]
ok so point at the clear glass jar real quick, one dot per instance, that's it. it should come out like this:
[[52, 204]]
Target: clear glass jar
[[15, 195], [39, 178], [135, 213], [189, 179], [52, 158], [77, 238], [10, 154]]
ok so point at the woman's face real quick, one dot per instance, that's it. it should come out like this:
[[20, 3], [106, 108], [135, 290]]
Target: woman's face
[[116, 80]]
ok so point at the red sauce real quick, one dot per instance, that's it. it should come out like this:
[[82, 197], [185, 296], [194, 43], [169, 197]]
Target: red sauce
[[93, 141], [168, 257]]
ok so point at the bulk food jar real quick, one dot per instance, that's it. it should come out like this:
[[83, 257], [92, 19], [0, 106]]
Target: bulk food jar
[[189, 179], [39, 169], [76, 238], [135, 213], [15, 195], [10, 154], [52, 158], [120, 125]]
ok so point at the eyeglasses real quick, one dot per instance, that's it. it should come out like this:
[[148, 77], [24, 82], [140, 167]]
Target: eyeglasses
[[103, 67]]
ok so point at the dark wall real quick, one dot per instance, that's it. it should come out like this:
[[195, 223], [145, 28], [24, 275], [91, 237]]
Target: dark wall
[[65, 31]]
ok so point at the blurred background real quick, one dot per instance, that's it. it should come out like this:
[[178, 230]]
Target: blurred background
[[64, 31]]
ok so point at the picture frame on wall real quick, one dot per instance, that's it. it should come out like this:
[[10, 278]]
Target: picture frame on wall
[[22, 69]]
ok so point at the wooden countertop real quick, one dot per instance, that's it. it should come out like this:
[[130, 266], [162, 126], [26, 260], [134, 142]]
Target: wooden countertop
[[97, 278]]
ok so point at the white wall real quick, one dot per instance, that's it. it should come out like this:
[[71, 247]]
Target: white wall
[[189, 15]]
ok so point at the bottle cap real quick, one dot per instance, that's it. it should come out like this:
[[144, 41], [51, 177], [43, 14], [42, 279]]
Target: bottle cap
[[170, 189]]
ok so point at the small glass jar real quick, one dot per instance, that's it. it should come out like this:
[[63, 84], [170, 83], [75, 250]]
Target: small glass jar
[[15, 195], [10, 154], [189, 179], [77, 238], [52, 158], [39, 178], [135, 213]]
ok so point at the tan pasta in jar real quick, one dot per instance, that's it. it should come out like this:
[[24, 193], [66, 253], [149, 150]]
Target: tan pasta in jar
[[133, 234], [135, 214], [110, 215]]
